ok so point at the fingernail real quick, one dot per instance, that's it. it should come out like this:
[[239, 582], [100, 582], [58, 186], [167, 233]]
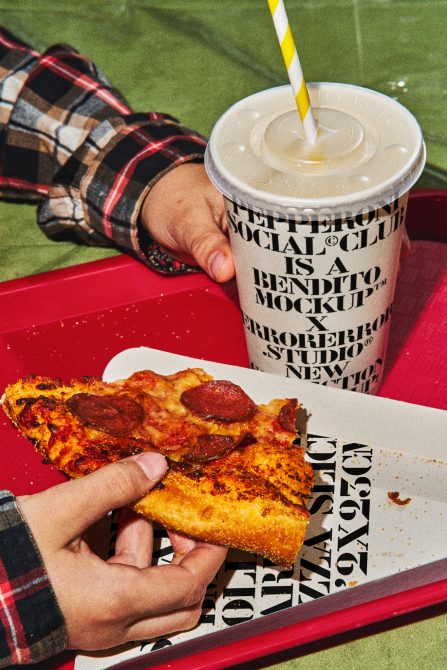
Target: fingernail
[[216, 262], [153, 465]]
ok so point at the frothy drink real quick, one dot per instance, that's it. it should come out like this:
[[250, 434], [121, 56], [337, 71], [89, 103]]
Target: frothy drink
[[316, 229]]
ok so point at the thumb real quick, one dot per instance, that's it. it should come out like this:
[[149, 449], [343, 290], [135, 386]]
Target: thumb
[[202, 239], [213, 254], [70, 508]]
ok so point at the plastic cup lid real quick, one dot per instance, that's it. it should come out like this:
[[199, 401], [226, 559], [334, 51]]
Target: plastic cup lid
[[369, 151]]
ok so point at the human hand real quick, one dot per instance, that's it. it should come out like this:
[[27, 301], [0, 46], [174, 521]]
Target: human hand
[[185, 214], [106, 603]]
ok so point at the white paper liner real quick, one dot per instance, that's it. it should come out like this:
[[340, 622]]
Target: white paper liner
[[376, 510]]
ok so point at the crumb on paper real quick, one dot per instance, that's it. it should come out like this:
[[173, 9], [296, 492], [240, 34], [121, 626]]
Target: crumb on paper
[[353, 583], [394, 496]]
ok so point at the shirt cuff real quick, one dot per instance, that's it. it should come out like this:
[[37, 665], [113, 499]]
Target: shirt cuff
[[32, 627], [106, 181]]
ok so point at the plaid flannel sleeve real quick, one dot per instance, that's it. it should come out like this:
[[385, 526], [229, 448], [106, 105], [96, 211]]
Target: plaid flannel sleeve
[[31, 624], [68, 139]]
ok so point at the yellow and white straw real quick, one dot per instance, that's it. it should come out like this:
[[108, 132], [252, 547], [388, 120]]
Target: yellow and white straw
[[293, 67]]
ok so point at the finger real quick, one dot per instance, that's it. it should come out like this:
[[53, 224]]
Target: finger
[[166, 588], [206, 236], [64, 512], [165, 624], [220, 265], [134, 540], [181, 545], [185, 213], [208, 246], [200, 242], [204, 560]]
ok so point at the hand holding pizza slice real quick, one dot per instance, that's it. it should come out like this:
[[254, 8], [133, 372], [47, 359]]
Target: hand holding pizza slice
[[235, 475]]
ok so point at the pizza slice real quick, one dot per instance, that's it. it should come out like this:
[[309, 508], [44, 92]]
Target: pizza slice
[[236, 476]]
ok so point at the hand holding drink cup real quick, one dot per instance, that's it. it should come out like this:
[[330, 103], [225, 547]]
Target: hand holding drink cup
[[316, 226]]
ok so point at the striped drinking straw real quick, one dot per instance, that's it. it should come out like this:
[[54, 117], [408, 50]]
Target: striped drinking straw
[[293, 66]]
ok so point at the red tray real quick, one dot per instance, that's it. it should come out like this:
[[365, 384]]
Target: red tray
[[71, 322]]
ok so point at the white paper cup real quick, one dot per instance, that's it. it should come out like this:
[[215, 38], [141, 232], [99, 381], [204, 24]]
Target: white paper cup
[[316, 231]]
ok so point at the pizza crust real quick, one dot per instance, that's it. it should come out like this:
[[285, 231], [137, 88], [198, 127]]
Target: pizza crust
[[264, 526]]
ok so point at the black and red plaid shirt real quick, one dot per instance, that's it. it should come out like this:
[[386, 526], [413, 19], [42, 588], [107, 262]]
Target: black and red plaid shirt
[[68, 139], [31, 624]]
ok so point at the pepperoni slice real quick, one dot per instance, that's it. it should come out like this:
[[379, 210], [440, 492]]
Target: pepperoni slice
[[209, 447], [219, 399], [116, 415], [287, 415]]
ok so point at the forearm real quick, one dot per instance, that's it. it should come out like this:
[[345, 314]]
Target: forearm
[[69, 139], [49, 103]]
